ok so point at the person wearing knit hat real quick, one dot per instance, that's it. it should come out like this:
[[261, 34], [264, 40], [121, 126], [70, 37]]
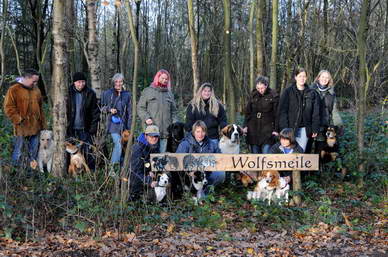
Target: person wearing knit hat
[[83, 114]]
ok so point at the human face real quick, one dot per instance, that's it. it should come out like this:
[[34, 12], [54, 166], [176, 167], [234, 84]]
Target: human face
[[324, 79], [163, 79], [30, 81], [152, 140], [118, 85], [301, 78], [199, 134], [260, 87], [79, 84], [206, 93], [285, 142]]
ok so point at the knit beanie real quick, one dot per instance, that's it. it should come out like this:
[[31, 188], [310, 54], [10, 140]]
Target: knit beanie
[[79, 76]]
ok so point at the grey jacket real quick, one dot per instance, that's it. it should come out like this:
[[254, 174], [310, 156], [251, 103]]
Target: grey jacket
[[159, 105]]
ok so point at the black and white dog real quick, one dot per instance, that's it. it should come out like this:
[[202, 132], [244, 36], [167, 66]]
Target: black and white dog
[[195, 183], [175, 135], [230, 139], [160, 189]]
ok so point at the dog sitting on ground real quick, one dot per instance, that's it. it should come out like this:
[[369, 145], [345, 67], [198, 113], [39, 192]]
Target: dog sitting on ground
[[125, 138], [230, 139], [329, 152], [77, 160], [195, 183], [176, 133], [161, 184], [46, 150]]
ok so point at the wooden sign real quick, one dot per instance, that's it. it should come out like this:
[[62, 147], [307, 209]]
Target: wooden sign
[[233, 162]]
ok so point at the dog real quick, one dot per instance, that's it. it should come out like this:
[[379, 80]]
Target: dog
[[125, 134], [230, 139], [176, 133], [77, 160], [46, 150], [195, 183], [329, 151], [160, 189]]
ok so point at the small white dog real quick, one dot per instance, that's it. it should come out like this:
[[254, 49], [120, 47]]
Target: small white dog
[[46, 149]]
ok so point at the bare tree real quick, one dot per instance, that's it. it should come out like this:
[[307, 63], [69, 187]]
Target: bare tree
[[194, 44], [59, 79], [260, 37], [2, 38], [274, 46], [251, 46], [92, 47]]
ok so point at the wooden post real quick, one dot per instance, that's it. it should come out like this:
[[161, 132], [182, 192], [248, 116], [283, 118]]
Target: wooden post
[[296, 186]]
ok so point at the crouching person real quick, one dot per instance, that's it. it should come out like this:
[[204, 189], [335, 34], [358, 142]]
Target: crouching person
[[140, 174], [198, 142]]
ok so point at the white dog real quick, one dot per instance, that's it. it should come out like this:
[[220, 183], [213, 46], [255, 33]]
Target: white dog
[[46, 149], [161, 187]]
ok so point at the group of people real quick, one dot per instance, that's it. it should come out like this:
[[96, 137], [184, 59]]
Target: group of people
[[298, 117]]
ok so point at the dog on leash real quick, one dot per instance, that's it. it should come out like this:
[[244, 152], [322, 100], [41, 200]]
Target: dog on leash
[[77, 160], [46, 150], [329, 152], [159, 192]]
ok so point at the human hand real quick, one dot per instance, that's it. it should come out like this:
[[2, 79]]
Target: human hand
[[113, 111], [275, 133], [152, 175], [154, 184], [314, 135], [149, 121], [245, 130]]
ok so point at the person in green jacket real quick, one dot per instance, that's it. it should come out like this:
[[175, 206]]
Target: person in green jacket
[[157, 106]]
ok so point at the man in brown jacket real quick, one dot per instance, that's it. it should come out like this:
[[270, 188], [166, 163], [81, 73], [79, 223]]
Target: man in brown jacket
[[23, 106]]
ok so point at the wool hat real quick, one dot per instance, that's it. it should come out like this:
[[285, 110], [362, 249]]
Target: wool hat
[[152, 130], [79, 76]]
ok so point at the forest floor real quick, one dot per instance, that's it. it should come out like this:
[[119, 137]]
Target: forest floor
[[231, 227]]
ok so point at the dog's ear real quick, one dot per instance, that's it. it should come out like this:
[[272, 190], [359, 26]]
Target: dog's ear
[[169, 128], [224, 131]]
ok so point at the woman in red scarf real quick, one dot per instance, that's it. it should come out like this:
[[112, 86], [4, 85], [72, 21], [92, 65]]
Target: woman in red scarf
[[157, 105]]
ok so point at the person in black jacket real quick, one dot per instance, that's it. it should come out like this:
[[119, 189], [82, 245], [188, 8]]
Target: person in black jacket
[[205, 106], [299, 109], [329, 114], [83, 114], [260, 117], [141, 175]]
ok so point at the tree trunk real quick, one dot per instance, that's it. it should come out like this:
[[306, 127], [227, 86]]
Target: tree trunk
[[228, 63], [2, 38], [296, 186], [288, 52], [260, 47], [274, 46], [251, 46], [59, 80], [92, 47], [361, 87], [194, 44], [128, 151]]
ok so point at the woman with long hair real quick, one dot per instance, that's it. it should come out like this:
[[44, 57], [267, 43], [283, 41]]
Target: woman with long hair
[[206, 107]]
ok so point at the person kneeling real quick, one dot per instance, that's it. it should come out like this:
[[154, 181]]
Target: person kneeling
[[141, 175], [198, 142]]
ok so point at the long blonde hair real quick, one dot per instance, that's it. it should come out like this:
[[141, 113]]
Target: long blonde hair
[[331, 82], [198, 103]]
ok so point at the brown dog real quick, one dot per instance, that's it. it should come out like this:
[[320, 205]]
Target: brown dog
[[125, 138], [330, 150], [77, 160]]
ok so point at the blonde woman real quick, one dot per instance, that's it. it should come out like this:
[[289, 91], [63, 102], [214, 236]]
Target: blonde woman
[[329, 115], [205, 106]]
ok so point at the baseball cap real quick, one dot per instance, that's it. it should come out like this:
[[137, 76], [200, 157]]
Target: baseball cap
[[152, 130]]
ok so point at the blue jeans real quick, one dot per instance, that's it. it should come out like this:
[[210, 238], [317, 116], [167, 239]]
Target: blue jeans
[[116, 153], [33, 143], [301, 138], [264, 149]]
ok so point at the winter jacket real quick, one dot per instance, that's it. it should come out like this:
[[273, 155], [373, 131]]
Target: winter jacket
[[213, 123], [122, 103], [329, 114], [90, 110], [279, 149], [260, 117], [23, 106], [299, 109], [158, 104], [141, 151], [190, 145]]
